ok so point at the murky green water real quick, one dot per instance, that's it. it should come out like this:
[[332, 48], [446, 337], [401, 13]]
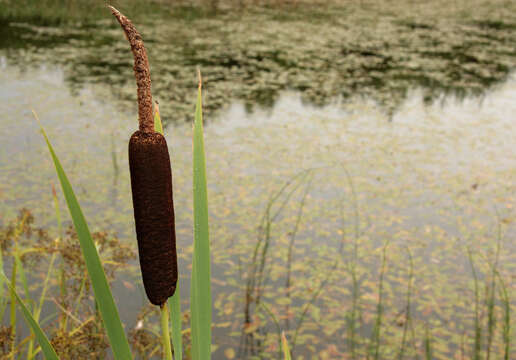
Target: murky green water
[[380, 115]]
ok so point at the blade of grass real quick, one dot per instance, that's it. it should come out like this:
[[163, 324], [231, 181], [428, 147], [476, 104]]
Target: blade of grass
[[175, 319], [428, 344], [103, 296], [374, 342], [62, 276], [276, 322], [477, 327], [491, 293], [12, 318], [30, 302], [286, 350], [23, 279], [46, 347], [3, 301], [12, 289], [200, 299], [39, 307], [158, 126], [407, 307], [291, 247], [506, 331]]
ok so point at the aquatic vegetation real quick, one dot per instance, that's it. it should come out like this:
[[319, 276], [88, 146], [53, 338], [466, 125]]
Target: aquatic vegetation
[[328, 52], [306, 267], [145, 163], [74, 330], [382, 198]]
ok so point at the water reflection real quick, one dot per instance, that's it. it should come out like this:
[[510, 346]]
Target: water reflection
[[429, 181], [254, 56]]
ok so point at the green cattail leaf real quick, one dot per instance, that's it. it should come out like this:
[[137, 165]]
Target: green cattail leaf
[[46, 347], [174, 304], [158, 127], [284, 345], [200, 293], [103, 296]]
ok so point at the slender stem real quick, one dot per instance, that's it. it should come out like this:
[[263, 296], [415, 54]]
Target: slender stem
[[165, 333], [13, 311], [37, 311], [275, 319], [17, 233], [291, 247], [62, 276], [407, 308], [478, 330]]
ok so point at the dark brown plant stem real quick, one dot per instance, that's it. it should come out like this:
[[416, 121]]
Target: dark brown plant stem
[[141, 72]]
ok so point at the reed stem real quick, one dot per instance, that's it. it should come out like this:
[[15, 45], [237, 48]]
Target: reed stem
[[165, 333]]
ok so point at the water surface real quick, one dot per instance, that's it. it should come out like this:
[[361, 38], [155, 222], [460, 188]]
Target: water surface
[[380, 136]]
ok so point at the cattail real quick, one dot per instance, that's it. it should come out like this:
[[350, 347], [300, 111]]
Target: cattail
[[151, 184]]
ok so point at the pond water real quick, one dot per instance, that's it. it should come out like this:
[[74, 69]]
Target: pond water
[[419, 160]]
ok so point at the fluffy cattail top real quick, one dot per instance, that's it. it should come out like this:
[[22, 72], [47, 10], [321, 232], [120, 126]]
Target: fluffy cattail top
[[141, 71]]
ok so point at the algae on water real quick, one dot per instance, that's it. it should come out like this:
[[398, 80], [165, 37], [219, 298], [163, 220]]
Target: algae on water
[[328, 52]]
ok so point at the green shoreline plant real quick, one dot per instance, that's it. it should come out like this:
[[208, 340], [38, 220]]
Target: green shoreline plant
[[103, 296], [165, 294]]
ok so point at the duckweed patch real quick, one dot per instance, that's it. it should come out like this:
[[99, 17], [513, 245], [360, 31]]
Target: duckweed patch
[[326, 52]]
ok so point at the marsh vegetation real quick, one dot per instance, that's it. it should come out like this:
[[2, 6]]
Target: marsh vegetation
[[359, 161]]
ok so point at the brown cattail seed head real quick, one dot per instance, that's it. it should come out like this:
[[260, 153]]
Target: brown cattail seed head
[[151, 183]]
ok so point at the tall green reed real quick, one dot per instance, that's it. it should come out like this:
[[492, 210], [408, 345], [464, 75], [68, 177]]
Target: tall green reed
[[477, 326], [200, 290], [104, 302], [201, 308], [46, 347], [291, 246], [352, 265], [408, 305], [374, 342], [103, 296], [286, 350], [506, 330], [428, 343], [37, 310], [275, 205], [17, 267]]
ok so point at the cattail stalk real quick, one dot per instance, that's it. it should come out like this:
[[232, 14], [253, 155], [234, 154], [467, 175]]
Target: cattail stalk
[[165, 337], [151, 184]]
